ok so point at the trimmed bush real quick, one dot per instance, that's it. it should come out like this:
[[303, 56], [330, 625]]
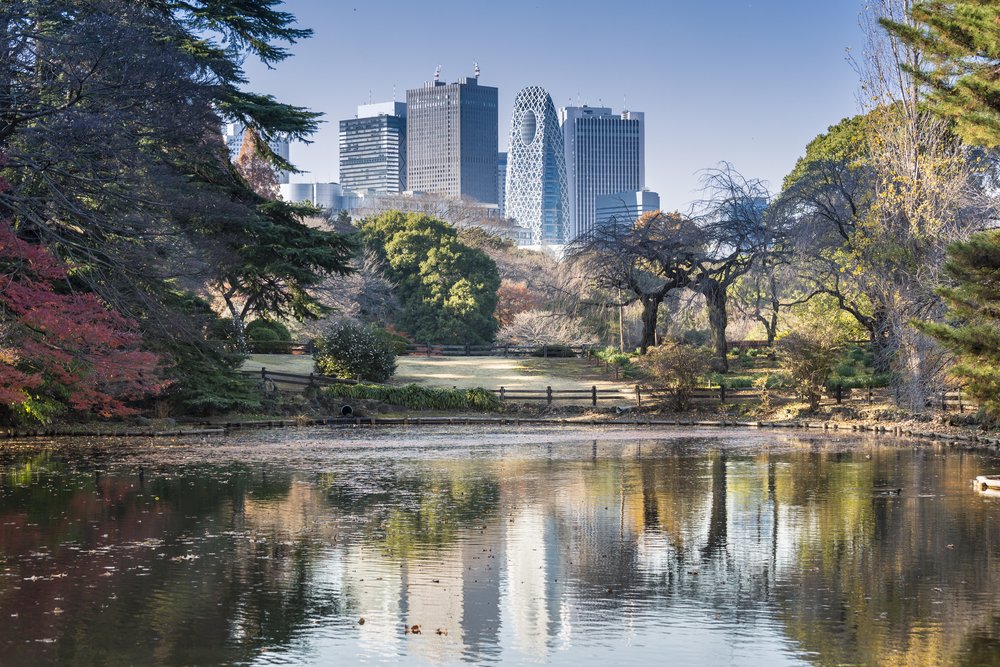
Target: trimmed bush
[[261, 331], [351, 350], [415, 397]]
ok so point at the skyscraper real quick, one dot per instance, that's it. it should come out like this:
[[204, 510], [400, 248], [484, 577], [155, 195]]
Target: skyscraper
[[605, 154], [624, 208], [502, 182], [373, 149], [536, 168], [451, 132], [233, 133]]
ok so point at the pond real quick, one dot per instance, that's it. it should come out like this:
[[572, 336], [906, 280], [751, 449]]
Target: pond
[[563, 546]]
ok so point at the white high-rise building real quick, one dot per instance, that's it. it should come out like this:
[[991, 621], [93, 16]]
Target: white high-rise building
[[536, 170], [605, 154], [233, 133]]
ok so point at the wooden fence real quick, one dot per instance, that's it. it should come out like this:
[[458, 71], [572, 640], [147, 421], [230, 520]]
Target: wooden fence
[[948, 401], [311, 380]]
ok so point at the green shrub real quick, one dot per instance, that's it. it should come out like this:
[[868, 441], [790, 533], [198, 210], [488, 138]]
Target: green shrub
[[845, 370], [262, 330], [262, 334], [351, 350], [415, 397]]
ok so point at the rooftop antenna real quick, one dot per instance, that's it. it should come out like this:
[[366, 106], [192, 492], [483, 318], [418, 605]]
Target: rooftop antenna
[[393, 92], [369, 96], [475, 70], [437, 74], [624, 102]]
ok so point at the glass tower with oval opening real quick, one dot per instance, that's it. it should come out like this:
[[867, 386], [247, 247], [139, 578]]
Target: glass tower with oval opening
[[536, 168]]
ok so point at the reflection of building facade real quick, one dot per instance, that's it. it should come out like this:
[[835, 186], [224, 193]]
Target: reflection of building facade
[[373, 149], [451, 132], [536, 168], [605, 153]]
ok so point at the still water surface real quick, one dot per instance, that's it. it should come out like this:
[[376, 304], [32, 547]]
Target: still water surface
[[568, 547]]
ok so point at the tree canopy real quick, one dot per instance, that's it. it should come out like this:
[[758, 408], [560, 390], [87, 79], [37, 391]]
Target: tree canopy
[[447, 290], [960, 45]]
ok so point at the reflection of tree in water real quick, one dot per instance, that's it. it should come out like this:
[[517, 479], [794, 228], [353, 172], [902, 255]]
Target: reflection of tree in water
[[405, 510], [802, 536], [191, 583], [901, 579]]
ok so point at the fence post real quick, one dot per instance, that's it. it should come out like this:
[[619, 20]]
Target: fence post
[[722, 392], [944, 405], [593, 395], [961, 408], [545, 351], [467, 349], [869, 394], [263, 373], [312, 380], [638, 395], [502, 396], [548, 395], [505, 346], [428, 349], [840, 393]]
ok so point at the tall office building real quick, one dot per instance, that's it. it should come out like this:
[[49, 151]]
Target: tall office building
[[373, 149], [624, 208], [232, 134], [536, 168], [451, 133], [502, 182], [605, 154]]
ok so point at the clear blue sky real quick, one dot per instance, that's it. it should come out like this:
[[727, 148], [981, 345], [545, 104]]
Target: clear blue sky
[[747, 82]]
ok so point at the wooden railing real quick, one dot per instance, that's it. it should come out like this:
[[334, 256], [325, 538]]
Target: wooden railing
[[950, 400]]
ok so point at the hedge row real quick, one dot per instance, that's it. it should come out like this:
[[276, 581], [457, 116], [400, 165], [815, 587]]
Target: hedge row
[[416, 397]]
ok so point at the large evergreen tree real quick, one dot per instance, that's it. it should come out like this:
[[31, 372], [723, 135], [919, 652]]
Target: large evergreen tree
[[973, 331], [960, 45], [110, 115]]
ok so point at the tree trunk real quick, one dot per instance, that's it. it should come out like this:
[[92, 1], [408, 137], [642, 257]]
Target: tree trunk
[[239, 330], [650, 310], [715, 301], [885, 341]]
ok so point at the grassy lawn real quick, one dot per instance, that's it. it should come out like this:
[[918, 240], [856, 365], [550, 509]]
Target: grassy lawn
[[468, 372]]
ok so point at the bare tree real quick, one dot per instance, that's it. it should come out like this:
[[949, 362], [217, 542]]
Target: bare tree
[[735, 235], [642, 260]]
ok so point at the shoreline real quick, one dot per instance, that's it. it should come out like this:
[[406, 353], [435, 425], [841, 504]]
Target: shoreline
[[954, 434]]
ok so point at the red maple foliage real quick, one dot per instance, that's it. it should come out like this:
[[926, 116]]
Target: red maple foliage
[[514, 298], [64, 345]]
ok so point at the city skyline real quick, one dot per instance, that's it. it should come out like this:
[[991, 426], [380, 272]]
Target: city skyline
[[751, 85]]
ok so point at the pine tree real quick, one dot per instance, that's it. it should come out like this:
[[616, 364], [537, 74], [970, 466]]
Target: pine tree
[[973, 333], [960, 43]]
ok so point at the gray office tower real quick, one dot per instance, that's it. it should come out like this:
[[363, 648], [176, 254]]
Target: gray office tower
[[501, 181], [373, 149], [605, 154], [451, 132]]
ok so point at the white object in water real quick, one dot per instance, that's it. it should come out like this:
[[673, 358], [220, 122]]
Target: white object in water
[[987, 482]]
